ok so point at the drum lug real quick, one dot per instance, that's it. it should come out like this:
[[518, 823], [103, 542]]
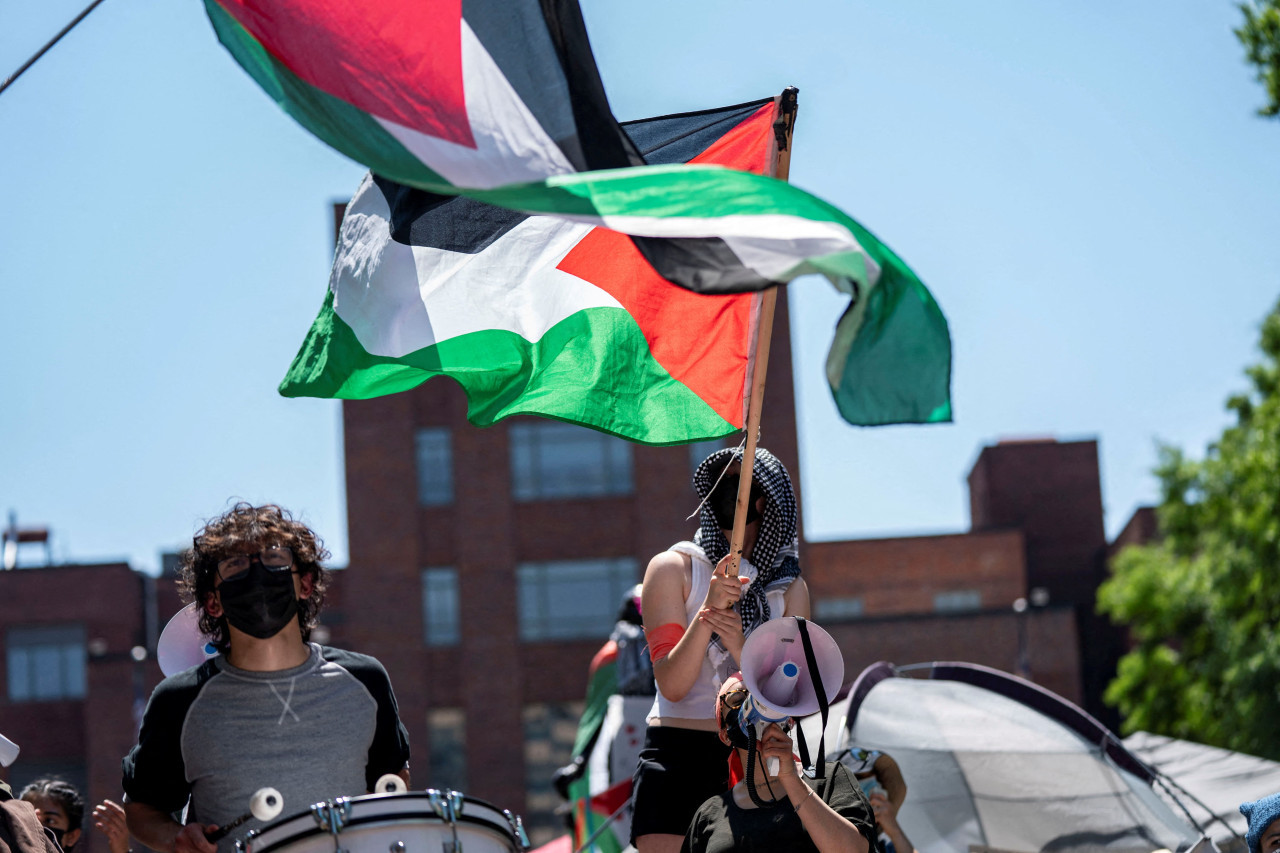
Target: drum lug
[[517, 828], [332, 816], [447, 805]]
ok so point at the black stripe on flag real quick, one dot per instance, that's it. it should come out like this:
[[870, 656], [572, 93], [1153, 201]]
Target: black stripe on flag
[[700, 264], [541, 47], [459, 224]]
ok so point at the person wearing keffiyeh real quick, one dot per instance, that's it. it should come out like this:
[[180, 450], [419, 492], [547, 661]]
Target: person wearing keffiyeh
[[696, 620]]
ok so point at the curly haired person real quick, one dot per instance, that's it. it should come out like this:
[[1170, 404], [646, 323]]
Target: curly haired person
[[272, 709]]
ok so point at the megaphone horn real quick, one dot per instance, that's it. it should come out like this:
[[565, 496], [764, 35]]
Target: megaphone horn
[[776, 673]]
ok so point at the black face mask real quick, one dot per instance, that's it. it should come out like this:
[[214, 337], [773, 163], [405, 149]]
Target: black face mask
[[724, 498], [261, 602], [57, 834]]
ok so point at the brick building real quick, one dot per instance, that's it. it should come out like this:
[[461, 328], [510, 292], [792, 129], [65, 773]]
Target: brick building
[[76, 671], [486, 566]]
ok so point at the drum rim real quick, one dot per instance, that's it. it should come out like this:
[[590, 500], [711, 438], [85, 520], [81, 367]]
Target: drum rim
[[500, 824]]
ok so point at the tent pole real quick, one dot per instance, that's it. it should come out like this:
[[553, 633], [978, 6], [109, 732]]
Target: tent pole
[[783, 128]]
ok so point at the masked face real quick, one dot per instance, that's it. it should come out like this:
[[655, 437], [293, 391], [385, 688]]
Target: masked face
[[728, 708], [724, 498], [259, 602], [54, 818]]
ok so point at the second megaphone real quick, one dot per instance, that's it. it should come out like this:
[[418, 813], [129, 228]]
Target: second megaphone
[[776, 673]]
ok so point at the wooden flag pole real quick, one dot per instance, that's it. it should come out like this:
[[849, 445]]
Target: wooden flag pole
[[783, 127]]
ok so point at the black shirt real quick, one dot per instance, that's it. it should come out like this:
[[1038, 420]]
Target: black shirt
[[721, 825]]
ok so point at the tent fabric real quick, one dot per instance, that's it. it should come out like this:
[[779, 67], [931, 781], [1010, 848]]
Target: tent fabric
[[1002, 765], [1218, 780]]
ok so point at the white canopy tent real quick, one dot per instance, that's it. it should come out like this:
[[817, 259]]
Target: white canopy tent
[[996, 763], [1212, 782]]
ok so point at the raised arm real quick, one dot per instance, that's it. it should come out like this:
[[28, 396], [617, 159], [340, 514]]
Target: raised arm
[[889, 775], [829, 830], [666, 586]]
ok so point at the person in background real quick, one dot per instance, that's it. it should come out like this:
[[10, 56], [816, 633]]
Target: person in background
[[876, 772], [887, 822], [109, 819], [696, 619], [1264, 824], [59, 807], [20, 827]]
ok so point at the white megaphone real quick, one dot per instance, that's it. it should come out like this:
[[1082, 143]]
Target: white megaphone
[[182, 644], [776, 674], [8, 751]]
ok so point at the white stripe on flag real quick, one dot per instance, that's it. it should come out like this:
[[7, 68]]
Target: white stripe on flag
[[399, 299], [511, 147], [772, 244]]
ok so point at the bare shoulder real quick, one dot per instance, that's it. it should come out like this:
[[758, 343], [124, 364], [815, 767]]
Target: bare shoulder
[[669, 567], [666, 586], [797, 598]]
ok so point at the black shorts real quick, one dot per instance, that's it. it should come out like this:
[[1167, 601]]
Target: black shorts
[[679, 770]]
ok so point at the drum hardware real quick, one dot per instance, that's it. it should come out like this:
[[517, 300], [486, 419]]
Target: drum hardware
[[388, 822], [517, 828], [265, 804], [332, 816], [447, 805]]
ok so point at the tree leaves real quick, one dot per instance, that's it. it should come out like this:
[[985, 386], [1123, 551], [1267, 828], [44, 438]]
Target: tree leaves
[[1203, 604], [1260, 36]]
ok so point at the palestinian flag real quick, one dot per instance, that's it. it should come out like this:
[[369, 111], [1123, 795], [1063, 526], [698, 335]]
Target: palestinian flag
[[536, 314], [430, 93], [501, 100]]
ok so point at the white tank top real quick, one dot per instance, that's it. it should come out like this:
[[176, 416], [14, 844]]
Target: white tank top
[[700, 702]]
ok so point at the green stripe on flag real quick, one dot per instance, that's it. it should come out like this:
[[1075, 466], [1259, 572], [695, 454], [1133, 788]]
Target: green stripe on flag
[[344, 127], [593, 368]]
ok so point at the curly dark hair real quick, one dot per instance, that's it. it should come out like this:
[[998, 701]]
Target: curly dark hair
[[64, 793], [241, 527]]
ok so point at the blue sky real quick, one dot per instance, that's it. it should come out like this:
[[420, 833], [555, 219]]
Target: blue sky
[[1084, 187]]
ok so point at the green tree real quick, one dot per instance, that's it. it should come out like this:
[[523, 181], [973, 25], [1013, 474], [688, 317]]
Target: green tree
[[1203, 604], [1260, 36]]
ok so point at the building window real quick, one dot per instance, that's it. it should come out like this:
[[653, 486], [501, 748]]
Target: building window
[[447, 748], [570, 599], [957, 601], [838, 609], [549, 732], [434, 446], [46, 663], [555, 460], [440, 607]]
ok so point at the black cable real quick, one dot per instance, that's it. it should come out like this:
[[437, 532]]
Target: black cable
[[42, 51]]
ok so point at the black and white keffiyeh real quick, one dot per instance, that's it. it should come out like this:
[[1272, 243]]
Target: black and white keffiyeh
[[776, 553]]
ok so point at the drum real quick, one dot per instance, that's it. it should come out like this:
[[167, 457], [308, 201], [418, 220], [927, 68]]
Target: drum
[[412, 822]]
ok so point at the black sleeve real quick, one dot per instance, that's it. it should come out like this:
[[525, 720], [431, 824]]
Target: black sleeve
[[154, 770], [695, 838], [846, 797], [389, 752]]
